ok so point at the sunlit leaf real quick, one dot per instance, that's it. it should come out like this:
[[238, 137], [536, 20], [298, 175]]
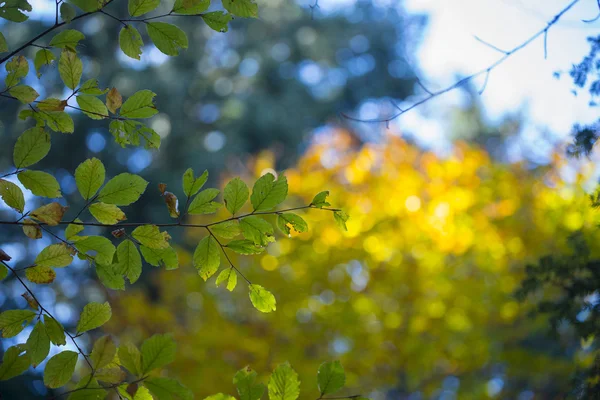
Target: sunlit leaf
[[130, 261], [55, 331], [17, 68], [12, 195], [268, 193], [207, 257], [94, 315], [192, 185], [157, 351], [217, 20], [167, 388], [131, 358], [227, 229], [247, 386], [123, 189], [245, 247], [89, 177], [14, 363], [330, 377], [167, 38], [113, 100], [103, 352], [31, 229], [140, 7], [26, 94], [227, 275], [140, 105], [40, 183], [56, 255], [262, 300], [59, 369], [12, 322], [67, 39], [38, 344], [287, 220], [150, 236], [40, 274], [50, 214], [235, 195], [32, 146], [92, 106], [107, 213], [103, 247], [131, 42], [284, 383], [257, 230], [42, 57], [203, 204]]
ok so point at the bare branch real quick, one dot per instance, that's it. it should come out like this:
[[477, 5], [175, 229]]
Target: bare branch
[[490, 45]]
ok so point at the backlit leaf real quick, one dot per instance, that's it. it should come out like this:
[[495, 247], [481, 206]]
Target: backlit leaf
[[38, 344], [245, 247], [168, 389], [107, 213], [257, 230], [50, 214], [227, 229], [217, 20], [14, 363], [287, 220], [123, 189], [59, 369], [12, 195], [235, 195], [114, 100], [242, 8], [140, 105], [227, 275], [131, 358], [12, 322], [284, 383], [55, 255], [167, 38], [262, 300], [67, 12], [150, 236], [131, 42], [94, 315], [32, 146], [190, 7], [130, 261], [103, 247], [268, 193], [157, 351], [26, 94], [41, 275], [141, 7], [331, 377], [17, 68], [192, 185], [110, 276], [161, 257], [92, 106], [55, 331], [31, 229], [40, 183], [68, 38], [103, 352], [70, 68], [207, 257], [89, 177], [203, 204], [247, 386], [42, 57]]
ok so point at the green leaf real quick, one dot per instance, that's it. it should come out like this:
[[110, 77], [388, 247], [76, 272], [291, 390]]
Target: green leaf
[[207, 257], [217, 20], [52, 104], [287, 220], [123, 189], [228, 275], [107, 213], [55, 331], [89, 177], [245, 247], [93, 390], [88, 5], [12, 322], [67, 12], [92, 107], [140, 105], [161, 257], [73, 229], [40, 183], [150, 236], [331, 377], [16, 68], [130, 358], [40, 275], [32, 146], [3, 272], [31, 229], [104, 352], [268, 193], [50, 214], [70, 69], [58, 121], [12, 195], [67, 39], [247, 387], [227, 229], [262, 300], [157, 351], [190, 7], [25, 94], [167, 38], [131, 42], [110, 277], [235, 195], [38, 344], [257, 230], [192, 185], [203, 204], [59, 369], [168, 389], [3, 44], [341, 218], [141, 7], [219, 396], [14, 363], [94, 315], [102, 246], [284, 383], [12, 10], [130, 261], [42, 57], [241, 8], [131, 132], [55, 255], [91, 87]]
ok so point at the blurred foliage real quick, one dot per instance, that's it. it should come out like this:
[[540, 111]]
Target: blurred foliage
[[417, 296]]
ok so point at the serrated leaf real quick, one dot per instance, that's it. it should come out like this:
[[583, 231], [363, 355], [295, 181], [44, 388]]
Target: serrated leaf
[[131, 358], [12, 322], [56, 255], [131, 132], [103, 352], [91, 87], [42, 57], [257, 230], [341, 218], [150, 236], [330, 377], [203, 204], [17, 68], [92, 106], [261, 299], [31, 229], [227, 275], [55, 331], [110, 277], [227, 229], [167, 38], [93, 316], [161, 257], [114, 100], [235, 195], [130, 261], [247, 387], [50, 214], [67, 12], [157, 351], [14, 363], [268, 193], [131, 42], [12, 195], [38, 344], [70, 69], [168, 389], [192, 185], [140, 7], [89, 177], [190, 7], [31, 147], [25, 94], [123, 189], [245, 247], [67, 39], [241, 8], [73, 229], [287, 220], [207, 257], [40, 183], [41, 275], [103, 247], [140, 105], [58, 121], [284, 383], [59, 369], [107, 213], [217, 20]]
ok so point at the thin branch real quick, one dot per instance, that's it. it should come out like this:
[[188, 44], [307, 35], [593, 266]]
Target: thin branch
[[587, 21], [462, 81], [490, 45], [485, 82], [227, 256]]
